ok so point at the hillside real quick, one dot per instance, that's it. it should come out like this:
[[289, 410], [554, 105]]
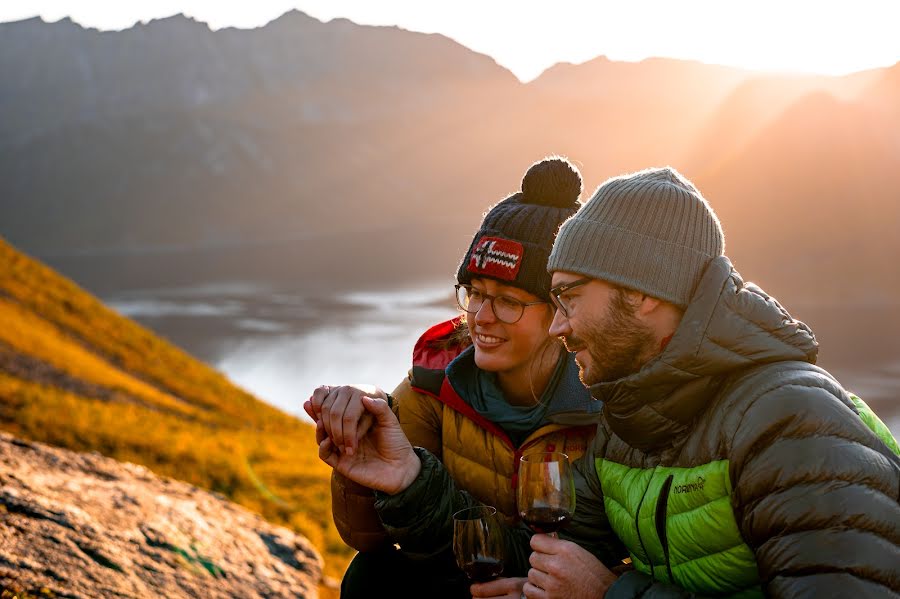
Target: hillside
[[75, 374]]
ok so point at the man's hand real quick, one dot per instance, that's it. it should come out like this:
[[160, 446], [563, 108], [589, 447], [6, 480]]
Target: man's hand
[[341, 411], [563, 570], [384, 459], [510, 588]]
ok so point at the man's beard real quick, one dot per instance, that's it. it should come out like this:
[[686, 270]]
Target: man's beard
[[619, 344]]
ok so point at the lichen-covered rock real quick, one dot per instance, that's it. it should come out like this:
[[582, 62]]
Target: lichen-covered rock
[[83, 525]]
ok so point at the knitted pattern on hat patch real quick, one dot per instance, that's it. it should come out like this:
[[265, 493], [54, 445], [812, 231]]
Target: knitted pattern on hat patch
[[497, 257]]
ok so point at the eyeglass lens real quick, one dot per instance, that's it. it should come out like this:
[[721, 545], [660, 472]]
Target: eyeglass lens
[[506, 309]]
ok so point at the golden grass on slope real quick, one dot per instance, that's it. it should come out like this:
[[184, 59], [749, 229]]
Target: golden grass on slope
[[28, 333], [134, 397], [125, 343]]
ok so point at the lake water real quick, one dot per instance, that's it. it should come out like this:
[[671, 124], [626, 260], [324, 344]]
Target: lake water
[[280, 343]]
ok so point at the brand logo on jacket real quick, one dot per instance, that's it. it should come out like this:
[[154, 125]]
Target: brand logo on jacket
[[689, 487], [497, 257]]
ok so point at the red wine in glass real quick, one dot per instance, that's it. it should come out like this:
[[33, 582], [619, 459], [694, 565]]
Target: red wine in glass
[[545, 492], [483, 569], [546, 519], [478, 543]]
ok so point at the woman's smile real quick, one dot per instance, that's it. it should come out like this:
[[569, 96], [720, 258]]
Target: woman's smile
[[485, 341]]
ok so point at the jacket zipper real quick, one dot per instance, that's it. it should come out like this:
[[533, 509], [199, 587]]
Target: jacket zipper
[[637, 527], [517, 454], [661, 506]]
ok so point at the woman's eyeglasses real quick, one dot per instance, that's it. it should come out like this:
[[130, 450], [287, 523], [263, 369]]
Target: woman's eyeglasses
[[507, 309]]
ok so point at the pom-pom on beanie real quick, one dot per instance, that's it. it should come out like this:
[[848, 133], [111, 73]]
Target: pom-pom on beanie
[[516, 235]]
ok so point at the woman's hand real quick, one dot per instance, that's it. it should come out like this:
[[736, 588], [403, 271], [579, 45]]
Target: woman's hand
[[341, 410], [509, 588], [562, 569], [384, 459]]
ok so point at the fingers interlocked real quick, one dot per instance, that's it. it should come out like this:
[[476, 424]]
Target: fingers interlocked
[[342, 414]]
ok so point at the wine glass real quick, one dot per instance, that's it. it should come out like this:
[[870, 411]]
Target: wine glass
[[478, 543], [545, 492]]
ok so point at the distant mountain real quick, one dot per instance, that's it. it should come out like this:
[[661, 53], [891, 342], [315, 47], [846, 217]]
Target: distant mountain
[[756, 103], [181, 136], [627, 116], [809, 202], [333, 152], [317, 71], [75, 374]]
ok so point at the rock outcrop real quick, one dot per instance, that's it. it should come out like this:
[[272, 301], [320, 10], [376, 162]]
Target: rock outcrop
[[83, 525]]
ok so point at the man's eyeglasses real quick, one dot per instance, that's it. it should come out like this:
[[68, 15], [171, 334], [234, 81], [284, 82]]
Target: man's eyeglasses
[[556, 294], [507, 309]]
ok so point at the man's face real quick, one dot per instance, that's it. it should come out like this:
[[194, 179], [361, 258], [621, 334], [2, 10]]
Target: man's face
[[610, 342]]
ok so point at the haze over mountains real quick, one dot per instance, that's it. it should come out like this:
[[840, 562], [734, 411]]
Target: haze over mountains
[[328, 151]]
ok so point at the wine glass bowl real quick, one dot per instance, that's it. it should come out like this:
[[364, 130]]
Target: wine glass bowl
[[478, 543], [545, 492]]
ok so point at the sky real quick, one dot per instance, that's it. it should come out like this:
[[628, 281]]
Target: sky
[[528, 36]]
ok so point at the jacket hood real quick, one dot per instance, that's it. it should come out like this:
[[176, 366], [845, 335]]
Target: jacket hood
[[729, 325]]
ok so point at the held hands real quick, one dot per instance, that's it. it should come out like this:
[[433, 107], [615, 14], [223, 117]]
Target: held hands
[[383, 459], [341, 409], [563, 569]]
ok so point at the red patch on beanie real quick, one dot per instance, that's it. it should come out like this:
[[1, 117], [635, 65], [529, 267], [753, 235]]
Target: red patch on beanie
[[496, 257]]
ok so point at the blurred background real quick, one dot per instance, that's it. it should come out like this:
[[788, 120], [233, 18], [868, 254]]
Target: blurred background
[[285, 189]]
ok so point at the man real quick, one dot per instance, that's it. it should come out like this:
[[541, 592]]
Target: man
[[726, 462]]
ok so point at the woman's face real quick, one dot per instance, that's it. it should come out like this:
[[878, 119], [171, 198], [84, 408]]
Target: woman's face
[[508, 349]]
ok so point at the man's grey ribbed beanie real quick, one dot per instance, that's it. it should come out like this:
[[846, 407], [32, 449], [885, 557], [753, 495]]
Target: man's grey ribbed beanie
[[650, 231]]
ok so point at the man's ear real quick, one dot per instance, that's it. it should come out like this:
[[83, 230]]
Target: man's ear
[[633, 298], [642, 304], [647, 305]]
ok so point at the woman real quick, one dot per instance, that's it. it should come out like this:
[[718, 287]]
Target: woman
[[485, 388]]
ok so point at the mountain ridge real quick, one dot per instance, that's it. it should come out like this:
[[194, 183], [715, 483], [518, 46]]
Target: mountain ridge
[[403, 137]]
